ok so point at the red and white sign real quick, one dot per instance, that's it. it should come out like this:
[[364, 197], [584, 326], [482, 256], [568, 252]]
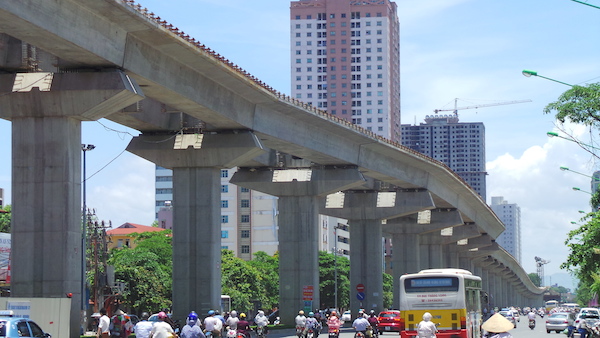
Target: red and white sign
[[360, 287], [307, 292]]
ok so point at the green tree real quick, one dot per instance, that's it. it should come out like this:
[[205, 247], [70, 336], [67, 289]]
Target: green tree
[[5, 218], [327, 280], [147, 270], [388, 290], [242, 282], [268, 267], [535, 278], [580, 104]]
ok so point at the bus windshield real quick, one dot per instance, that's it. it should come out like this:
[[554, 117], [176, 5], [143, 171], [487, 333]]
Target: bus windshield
[[431, 284]]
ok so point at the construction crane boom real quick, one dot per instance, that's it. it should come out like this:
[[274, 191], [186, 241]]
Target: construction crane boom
[[456, 109]]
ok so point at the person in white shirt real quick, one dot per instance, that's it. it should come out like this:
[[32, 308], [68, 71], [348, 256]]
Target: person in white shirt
[[103, 325], [426, 328], [161, 329], [143, 327]]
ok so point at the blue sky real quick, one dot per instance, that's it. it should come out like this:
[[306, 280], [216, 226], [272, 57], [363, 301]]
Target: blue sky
[[468, 49]]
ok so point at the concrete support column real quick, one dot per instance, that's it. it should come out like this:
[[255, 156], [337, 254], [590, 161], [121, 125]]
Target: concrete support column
[[405, 259], [196, 239], [365, 211], [366, 264], [46, 111], [196, 163], [298, 252], [299, 203]]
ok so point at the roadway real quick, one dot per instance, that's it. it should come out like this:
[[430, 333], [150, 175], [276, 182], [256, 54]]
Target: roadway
[[522, 331]]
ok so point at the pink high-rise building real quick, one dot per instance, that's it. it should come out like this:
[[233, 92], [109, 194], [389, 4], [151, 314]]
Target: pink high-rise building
[[346, 60]]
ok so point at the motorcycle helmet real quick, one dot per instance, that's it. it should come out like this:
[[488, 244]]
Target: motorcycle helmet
[[301, 313], [333, 313], [311, 314], [162, 315], [211, 312], [242, 315], [193, 316], [145, 315], [233, 313]]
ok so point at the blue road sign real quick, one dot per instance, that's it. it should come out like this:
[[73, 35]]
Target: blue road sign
[[360, 295]]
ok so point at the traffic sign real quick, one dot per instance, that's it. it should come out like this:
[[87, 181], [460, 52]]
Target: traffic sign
[[360, 296], [360, 287]]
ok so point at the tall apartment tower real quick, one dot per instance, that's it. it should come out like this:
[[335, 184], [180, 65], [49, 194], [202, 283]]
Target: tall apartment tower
[[345, 59], [461, 146], [510, 215]]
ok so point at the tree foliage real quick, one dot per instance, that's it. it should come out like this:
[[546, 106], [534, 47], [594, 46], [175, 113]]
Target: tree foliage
[[535, 278], [580, 104], [5, 219], [147, 271], [584, 256], [327, 267], [245, 283]]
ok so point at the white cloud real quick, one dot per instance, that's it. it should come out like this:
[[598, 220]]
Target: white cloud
[[544, 193]]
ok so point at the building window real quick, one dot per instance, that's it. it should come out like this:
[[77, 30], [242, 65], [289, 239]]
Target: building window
[[245, 234], [224, 219], [224, 247], [245, 219], [224, 204], [245, 249], [245, 203], [224, 234], [244, 189], [224, 188], [164, 178], [164, 191]]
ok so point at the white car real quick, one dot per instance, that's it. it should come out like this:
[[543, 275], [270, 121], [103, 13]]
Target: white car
[[346, 316]]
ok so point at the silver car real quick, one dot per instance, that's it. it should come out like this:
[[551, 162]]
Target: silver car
[[510, 316], [559, 321]]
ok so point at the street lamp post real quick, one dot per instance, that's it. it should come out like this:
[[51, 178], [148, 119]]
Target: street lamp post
[[530, 73], [579, 189], [85, 148], [585, 3]]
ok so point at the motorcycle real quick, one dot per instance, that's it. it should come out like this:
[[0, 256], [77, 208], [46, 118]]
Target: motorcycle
[[310, 333], [371, 332], [334, 332], [532, 324], [260, 332], [231, 333], [300, 331], [359, 334]]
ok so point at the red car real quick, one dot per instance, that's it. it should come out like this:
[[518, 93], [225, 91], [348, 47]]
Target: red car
[[389, 321]]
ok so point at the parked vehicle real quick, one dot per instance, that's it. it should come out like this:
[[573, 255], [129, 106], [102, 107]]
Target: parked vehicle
[[346, 316], [389, 321], [559, 321], [17, 327]]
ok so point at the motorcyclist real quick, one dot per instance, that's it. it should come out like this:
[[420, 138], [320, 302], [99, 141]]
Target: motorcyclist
[[531, 317], [426, 328], [360, 324], [261, 321], [243, 326], [300, 324], [232, 320], [333, 322], [311, 323], [373, 321]]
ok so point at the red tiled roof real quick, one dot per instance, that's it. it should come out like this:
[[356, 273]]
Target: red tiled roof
[[129, 228]]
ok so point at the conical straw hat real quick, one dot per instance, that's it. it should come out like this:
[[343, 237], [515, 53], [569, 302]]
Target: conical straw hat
[[497, 323]]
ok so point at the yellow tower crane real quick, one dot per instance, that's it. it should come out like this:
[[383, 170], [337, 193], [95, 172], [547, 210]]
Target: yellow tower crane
[[456, 109]]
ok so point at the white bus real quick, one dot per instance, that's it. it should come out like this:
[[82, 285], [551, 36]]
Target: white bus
[[452, 296]]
